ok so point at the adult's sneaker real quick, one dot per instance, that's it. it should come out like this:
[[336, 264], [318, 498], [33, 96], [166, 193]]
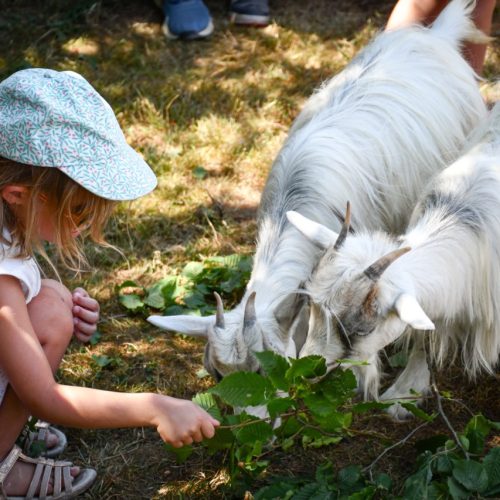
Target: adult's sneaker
[[249, 12], [186, 19]]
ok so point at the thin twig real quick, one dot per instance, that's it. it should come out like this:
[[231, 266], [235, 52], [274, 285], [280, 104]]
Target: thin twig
[[438, 396], [252, 422], [395, 445], [439, 399]]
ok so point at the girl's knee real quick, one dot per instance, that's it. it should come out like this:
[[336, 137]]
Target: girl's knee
[[51, 312]]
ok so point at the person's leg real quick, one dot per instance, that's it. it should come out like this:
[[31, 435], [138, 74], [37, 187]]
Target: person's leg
[[407, 12], [52, 320], [482, 15]]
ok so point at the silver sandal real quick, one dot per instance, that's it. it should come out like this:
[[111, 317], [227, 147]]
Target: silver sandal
[[64, 485], [34, 442]]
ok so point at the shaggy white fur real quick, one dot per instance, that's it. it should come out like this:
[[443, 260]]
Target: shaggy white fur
[[374, 134], [452, 272]]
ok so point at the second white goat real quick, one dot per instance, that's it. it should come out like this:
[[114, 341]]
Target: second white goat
[[368, 288]]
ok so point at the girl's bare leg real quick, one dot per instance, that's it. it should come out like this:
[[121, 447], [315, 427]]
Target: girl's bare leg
[[52, 320]]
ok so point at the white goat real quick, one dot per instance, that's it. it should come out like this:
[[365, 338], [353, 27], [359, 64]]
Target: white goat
[[370, 287], [374, 134]]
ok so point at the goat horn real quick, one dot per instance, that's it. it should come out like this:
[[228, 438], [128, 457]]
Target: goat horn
[[250, 317], [374, 271], [219, 314], [345, 228]]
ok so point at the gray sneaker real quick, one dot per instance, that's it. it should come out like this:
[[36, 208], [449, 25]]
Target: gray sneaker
[[249, 12]]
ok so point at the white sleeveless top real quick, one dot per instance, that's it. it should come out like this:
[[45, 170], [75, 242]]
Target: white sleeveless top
[[28, 274]]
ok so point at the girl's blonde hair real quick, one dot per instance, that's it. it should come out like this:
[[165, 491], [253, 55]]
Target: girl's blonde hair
[[72, 206]]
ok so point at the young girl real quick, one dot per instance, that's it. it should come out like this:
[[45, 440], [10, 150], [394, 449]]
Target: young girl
[[63, 162]]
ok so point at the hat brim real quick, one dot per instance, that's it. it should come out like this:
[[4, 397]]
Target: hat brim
[[126, 177]]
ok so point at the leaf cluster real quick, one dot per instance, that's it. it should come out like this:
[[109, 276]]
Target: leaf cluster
[[190, 291], [303, 406], [444, 472], [308, 407]]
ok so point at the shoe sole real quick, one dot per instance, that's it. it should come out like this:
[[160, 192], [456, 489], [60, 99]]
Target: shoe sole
[[189, 36], [248, 19]]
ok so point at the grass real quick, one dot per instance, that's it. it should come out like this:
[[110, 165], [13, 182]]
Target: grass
[[224, 105]]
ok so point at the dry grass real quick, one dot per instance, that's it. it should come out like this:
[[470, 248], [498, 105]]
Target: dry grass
[[224, 104]]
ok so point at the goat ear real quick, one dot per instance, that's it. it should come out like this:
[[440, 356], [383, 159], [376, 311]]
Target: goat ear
[[410, 312], [318, 234], [189, 325]]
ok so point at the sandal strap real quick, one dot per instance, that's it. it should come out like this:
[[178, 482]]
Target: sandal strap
[[41, 476], [35, 480], [6, 466]]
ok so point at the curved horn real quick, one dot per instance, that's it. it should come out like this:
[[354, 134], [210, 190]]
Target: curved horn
[[345, 228], [219, 314], [250, 316], [374, 271]]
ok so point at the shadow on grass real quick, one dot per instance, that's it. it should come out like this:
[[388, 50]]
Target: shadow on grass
[[119, 47]]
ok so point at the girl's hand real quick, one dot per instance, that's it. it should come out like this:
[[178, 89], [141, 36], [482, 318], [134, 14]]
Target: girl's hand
[[180, 422], [85, 315]]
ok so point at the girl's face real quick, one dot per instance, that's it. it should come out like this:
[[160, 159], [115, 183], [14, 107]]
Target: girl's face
[[17, 197], [47, 220]]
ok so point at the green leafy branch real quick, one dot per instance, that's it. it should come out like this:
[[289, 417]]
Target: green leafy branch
[[190, 291]]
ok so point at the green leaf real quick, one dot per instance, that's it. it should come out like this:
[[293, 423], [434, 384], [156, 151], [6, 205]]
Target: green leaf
[[383, 481], [338, 386], [443, 464], [456, 491], [132, 302], [325, 473], [313, 491], [194, 299], [168, 287], [416, 486], [349, 476], [289, 427], [367, 493], [181, 454], [127, 284], [335, 421], [476, 431], [209, 404], [174, 310], [95, 339], [192, 269], [307, 367], [200, 173], [258, 431], [244, 389], [101, 361], [223, 439], [314, 438], [154, 298], [277, 406], [276, 491], [319, 405], [470, 474], [275, 367], [491, 464], [415, 410]]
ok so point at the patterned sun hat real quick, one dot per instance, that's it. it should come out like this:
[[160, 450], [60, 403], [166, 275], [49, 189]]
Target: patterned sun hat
[[57, 119]]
